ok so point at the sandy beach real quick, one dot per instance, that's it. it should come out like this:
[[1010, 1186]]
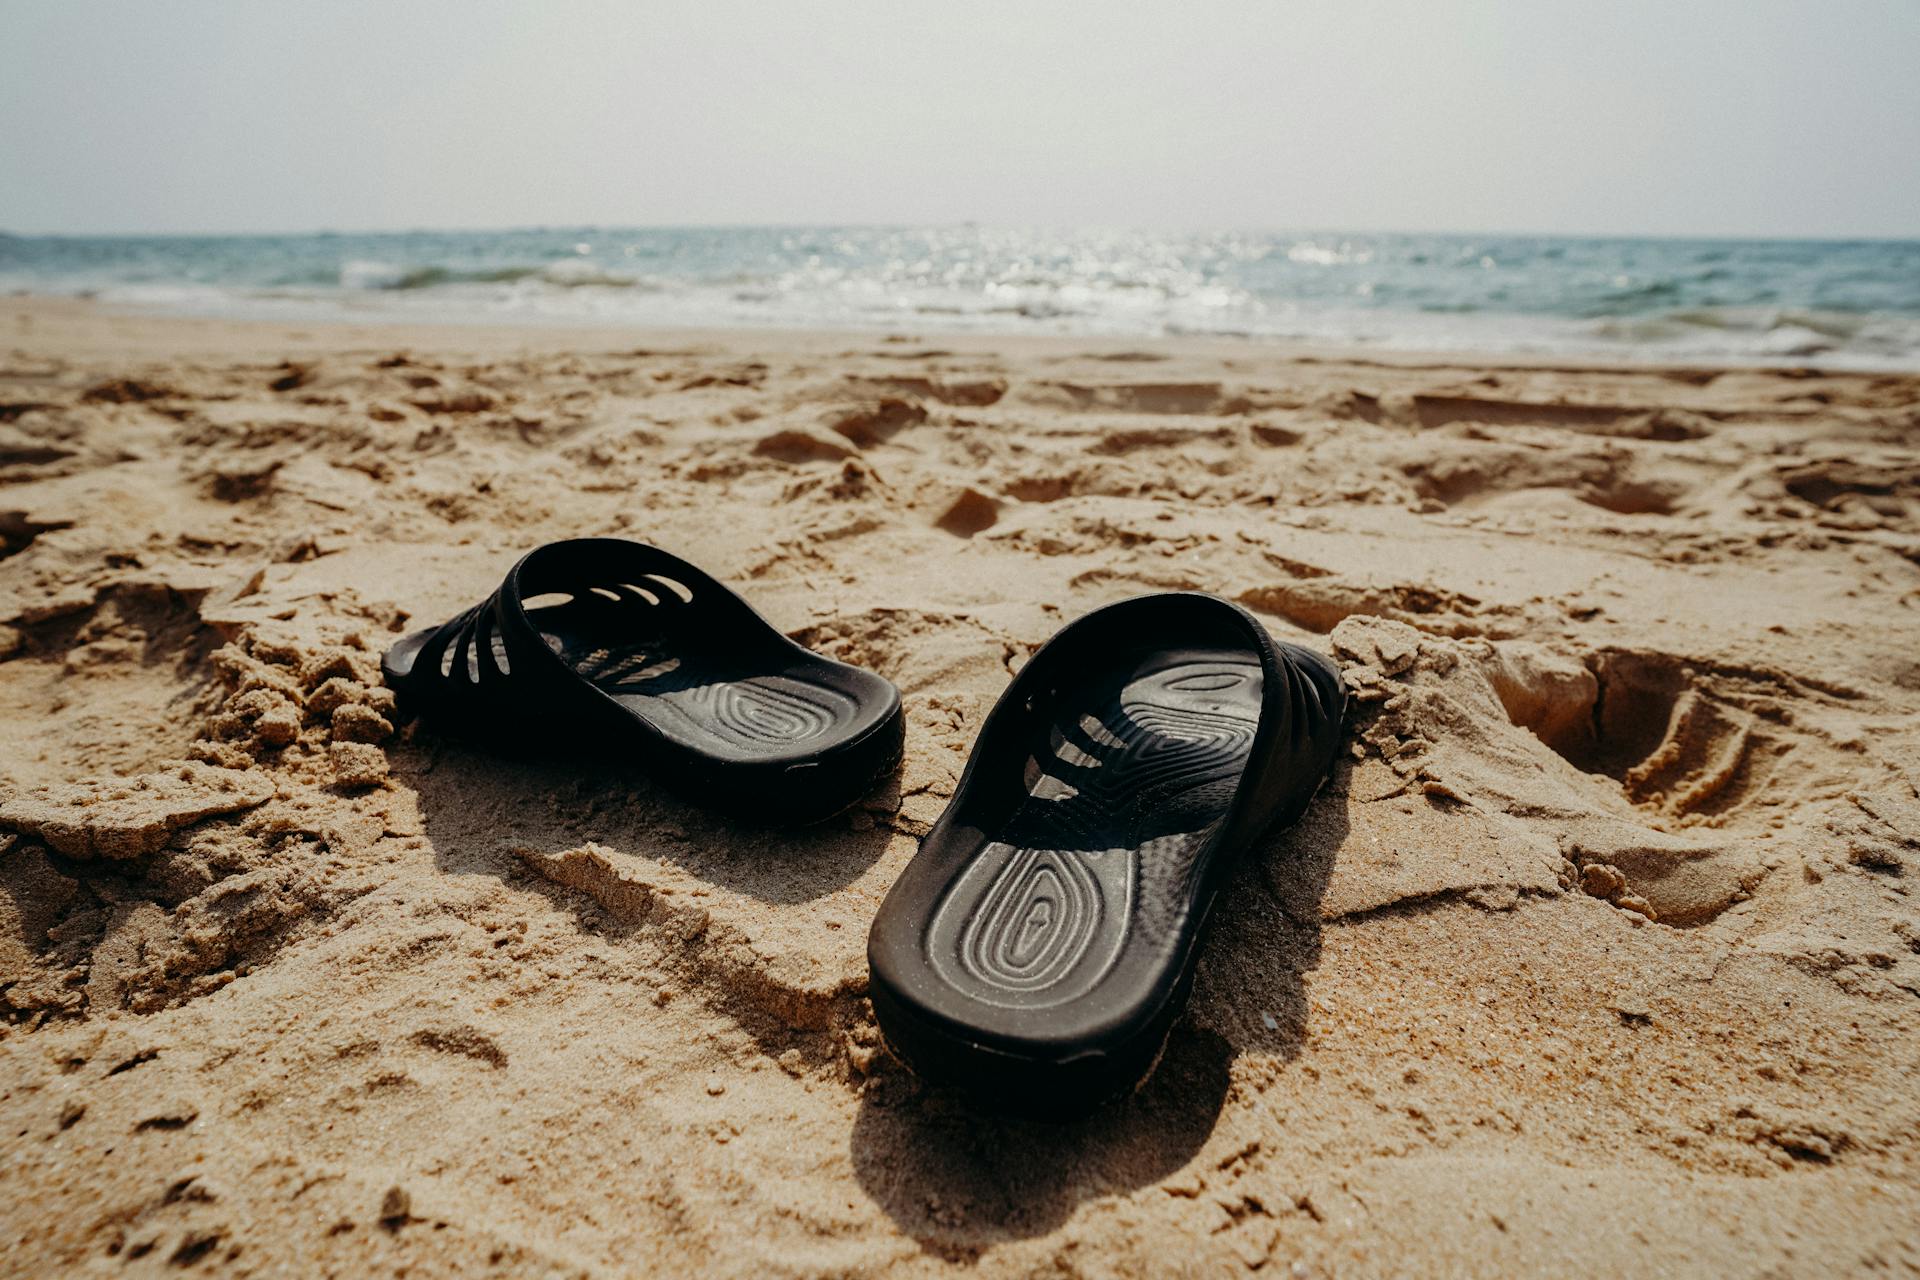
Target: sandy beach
[[1599, 954]]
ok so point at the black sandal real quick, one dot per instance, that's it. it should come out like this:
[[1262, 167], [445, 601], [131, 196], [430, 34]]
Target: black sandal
[[621, 647], [1039, 947]]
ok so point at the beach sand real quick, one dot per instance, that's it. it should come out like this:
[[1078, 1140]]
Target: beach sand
[[1598, 955]]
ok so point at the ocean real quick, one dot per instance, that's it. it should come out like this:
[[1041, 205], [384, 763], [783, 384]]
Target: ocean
[[1852, 304]]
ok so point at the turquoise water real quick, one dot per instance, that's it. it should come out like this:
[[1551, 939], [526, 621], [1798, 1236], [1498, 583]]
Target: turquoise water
[[1854, 303]]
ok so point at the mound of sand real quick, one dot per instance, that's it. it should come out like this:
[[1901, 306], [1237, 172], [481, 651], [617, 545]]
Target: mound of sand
[[1599, 954]]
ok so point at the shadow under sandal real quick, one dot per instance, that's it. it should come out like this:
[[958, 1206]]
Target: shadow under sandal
[[1038, 949], [622, 649]]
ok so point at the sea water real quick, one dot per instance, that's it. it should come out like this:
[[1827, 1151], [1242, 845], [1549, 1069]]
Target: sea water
[[1837, 303]]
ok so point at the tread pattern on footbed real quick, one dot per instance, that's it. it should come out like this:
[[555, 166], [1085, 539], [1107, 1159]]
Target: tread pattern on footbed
[[1119, 805], [1043, 942], [750, 713]]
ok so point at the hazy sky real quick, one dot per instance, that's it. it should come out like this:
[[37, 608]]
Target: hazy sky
[[1745, 117]]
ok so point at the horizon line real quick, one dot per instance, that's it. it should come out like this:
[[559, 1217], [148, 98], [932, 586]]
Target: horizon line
[[968, 223]]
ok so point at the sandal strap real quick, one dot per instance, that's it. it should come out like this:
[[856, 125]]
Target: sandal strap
[[496, 648], [612, 572]]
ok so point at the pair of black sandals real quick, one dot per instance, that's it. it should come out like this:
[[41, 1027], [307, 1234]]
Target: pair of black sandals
[[1039, 947]]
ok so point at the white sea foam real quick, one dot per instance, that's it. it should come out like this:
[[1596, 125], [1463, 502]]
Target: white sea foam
[[361, 274]]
